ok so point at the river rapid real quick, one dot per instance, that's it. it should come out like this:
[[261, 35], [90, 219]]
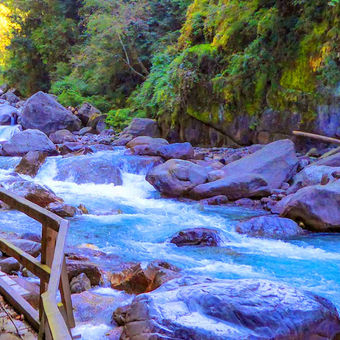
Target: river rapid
[[133, 223]]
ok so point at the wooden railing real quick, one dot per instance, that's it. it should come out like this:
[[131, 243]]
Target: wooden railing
[[53, 321]]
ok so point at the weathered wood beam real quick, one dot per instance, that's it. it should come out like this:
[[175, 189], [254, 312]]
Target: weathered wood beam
[[318, 137], [56, 322], [28, 261]]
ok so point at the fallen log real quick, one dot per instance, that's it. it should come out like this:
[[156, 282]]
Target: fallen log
[[318, 137]]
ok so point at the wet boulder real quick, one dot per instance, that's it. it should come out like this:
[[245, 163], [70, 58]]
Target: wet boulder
[[176, 177], [276, 163], [36, 193], [26, 141], [74, 148], [234, 187], [86, 111], [80, 284], [215, 200], [31, 163], [62, 209], [8, 114], [197, 237], [176, 151], [269, 227], [317, 207], [205, 309], [30, 247], [10, 97], [75, 268], [146, 140], [62, 136], [9, 265], [43, 112], [136, 280]]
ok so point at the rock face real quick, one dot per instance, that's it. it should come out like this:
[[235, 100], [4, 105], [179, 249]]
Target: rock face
[[197, 237], [176, 177], [316, 206], [234, 187], [229, 309], [43, 112], [269, 226], [26, 141], [31, 163]]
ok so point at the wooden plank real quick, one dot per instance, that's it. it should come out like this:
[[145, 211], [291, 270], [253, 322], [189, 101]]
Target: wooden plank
[[19, 304], [28, 261], [30, 209], [318, 137], [65, 292], [55, 320], [58, 259]]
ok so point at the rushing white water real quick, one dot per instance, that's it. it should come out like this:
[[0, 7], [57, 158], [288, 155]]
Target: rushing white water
[[134, 223], [8, 131]]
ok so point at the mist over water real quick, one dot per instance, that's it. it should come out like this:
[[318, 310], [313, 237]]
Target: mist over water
[[132, 222]]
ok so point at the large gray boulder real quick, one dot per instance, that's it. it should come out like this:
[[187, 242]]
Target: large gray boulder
[[43, 112], [234, 187], [313, 175], [276, 163], [176, 177], [86, 111], [142, 127], [8, 114], [316, 206], [26, 141], [269, 227], [206, 309]]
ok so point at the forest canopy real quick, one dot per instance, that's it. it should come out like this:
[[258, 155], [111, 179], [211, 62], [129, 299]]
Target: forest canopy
[[166, 57]]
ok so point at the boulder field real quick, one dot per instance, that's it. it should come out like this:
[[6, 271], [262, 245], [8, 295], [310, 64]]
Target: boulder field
[[206, 309]]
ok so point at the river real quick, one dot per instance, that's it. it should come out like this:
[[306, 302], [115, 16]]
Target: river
[[133, 222]]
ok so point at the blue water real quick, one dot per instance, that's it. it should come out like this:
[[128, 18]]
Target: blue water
[[132, 222]]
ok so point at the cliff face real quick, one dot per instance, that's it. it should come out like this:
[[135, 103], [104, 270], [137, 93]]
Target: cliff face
[[250, 71]]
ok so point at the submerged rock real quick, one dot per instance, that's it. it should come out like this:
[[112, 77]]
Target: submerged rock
[[43, 112], [206, 309], [269, 226], [176, 177], [197, 237], [316, 206], [31, 163], [26, 141]]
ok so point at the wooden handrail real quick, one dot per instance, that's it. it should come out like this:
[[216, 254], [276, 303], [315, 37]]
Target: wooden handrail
[[54, 323]]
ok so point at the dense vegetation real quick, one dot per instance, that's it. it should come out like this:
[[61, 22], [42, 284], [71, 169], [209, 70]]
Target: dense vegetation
[[155, 57]]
